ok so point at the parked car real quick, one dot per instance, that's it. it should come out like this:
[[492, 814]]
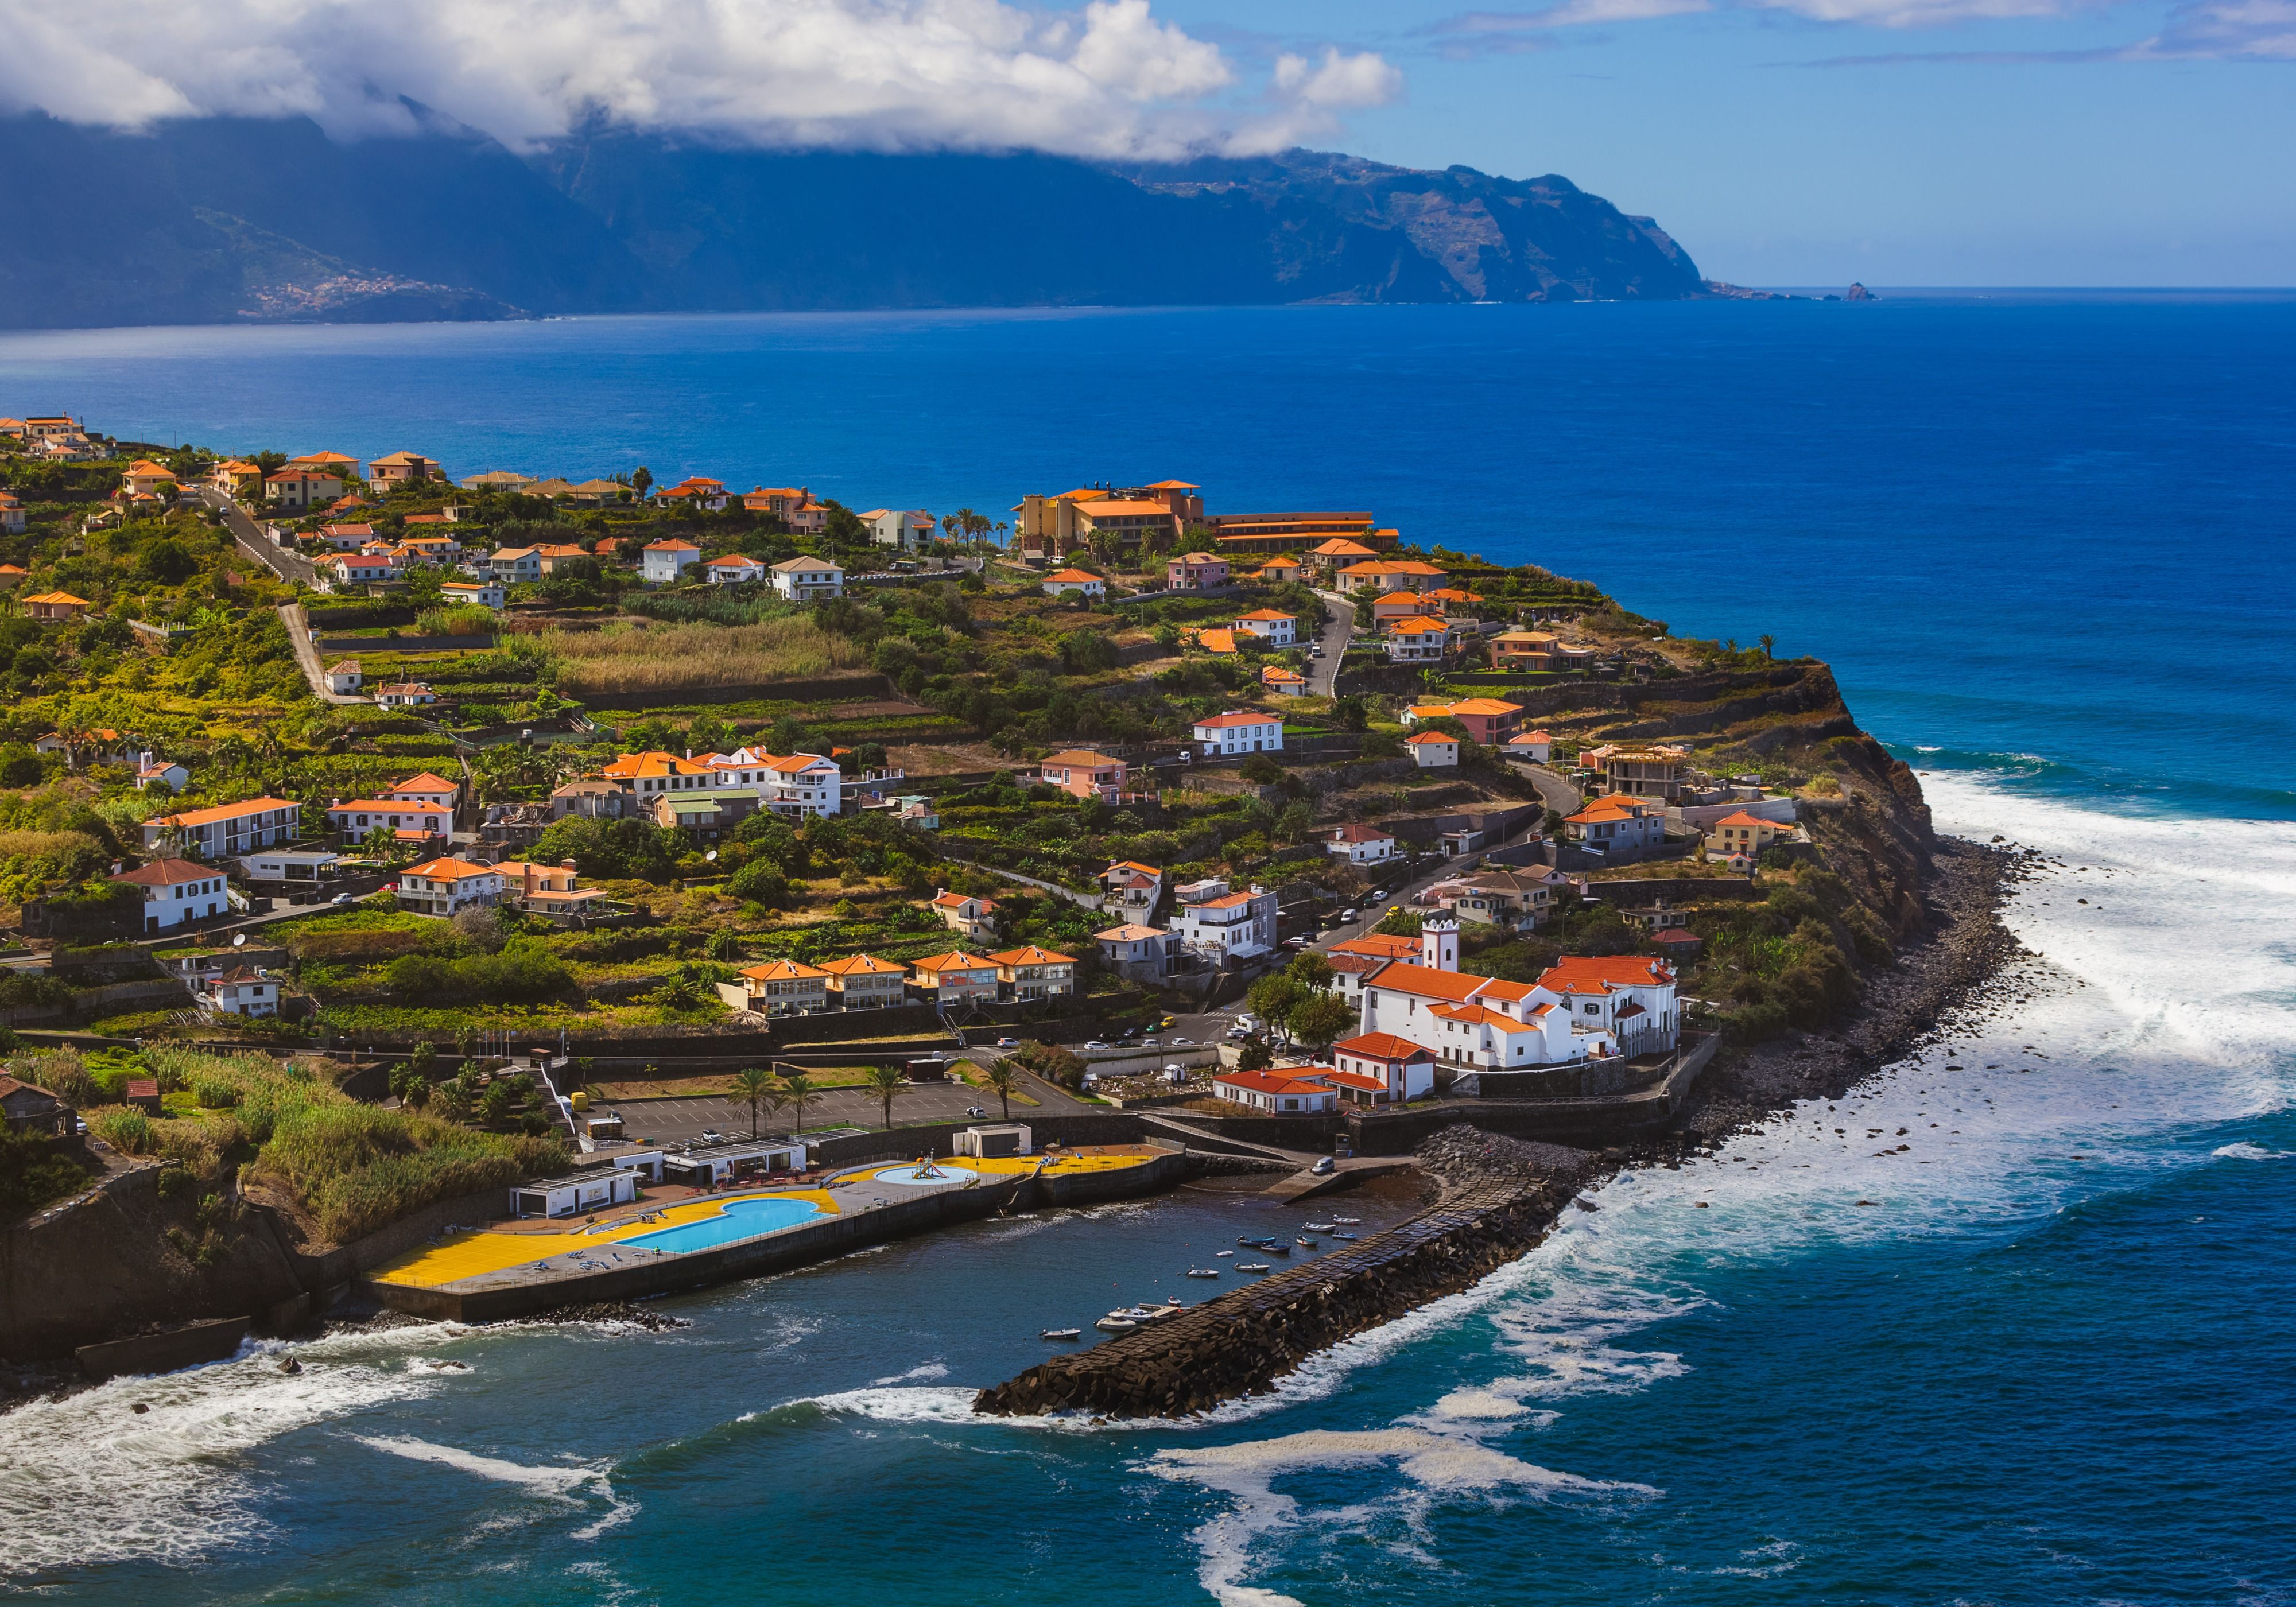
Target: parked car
[[1148, 1043], [712, 1135], [975, 1112], [1183, 1042], [1324, 1168], [344, 898], [1096, 1044], [1008, 1043], [1347, 914]]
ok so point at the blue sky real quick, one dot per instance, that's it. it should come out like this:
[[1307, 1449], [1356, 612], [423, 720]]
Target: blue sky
[[1783, 142], [2058, 148]]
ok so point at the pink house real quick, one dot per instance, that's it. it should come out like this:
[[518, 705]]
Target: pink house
[[1194, 571]]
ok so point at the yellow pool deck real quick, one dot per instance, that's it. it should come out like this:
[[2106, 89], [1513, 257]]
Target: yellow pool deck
[[473, 1252]]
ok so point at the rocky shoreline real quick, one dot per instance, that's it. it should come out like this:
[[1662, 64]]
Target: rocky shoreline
[[1501, 1196], [1965, 954]]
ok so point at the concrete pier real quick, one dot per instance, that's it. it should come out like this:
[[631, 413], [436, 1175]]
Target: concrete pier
[[1240, 1343]]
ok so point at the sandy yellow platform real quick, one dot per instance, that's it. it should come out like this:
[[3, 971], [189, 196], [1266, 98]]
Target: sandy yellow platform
[[467, 1255]]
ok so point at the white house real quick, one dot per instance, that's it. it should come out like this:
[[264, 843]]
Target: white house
[[803, 784], [1418, 640], [515, 566], [1361, 845], [1531, 745], [1273, 629], [1083, 583], [1289, 1091], [176, 890], [661, 562], [166, 773], [404, 695], [477, 594], [1226, 926], [734, 569], [228, 831], [903, 529], [1284, 683], [1379, 1068], [440, 886], [1433, 750], [802, 579], [344, 676], [1236, 732], [361, 569], [428, 787], [1617, 826], [238, 991]]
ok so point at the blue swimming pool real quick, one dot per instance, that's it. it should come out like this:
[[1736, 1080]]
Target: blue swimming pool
[[736, 1219]]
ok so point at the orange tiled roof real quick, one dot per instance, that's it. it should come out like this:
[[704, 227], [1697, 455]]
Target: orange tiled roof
[[1029, 953], [219, 812], [1383, 1045], [451, 870]]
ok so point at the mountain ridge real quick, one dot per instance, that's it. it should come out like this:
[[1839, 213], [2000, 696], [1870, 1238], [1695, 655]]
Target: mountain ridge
[[241, 220]]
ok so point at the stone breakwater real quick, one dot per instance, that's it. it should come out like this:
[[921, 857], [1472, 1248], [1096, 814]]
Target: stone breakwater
[[1500, 1197]]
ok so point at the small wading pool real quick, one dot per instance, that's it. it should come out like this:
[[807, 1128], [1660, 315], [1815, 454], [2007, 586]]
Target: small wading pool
[[906, 1174], [736, 1219]]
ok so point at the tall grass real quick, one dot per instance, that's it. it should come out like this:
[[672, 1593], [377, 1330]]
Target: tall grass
[[668, 658], [353, 1167]]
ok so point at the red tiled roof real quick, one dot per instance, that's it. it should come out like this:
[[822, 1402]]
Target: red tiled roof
[[1382, 1045]]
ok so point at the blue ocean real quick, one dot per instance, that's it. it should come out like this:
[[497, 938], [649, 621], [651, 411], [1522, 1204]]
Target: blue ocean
[[2044, 1356]]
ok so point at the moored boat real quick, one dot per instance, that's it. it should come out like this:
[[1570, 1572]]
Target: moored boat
[[1252, 1267], [1203, 1272], [1116, 1324], [1060, 1333]]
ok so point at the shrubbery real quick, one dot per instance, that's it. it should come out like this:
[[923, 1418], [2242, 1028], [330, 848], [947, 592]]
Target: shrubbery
[[523, 973]]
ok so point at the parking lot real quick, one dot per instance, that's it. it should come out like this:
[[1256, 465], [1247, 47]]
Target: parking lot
[[680, 1120]]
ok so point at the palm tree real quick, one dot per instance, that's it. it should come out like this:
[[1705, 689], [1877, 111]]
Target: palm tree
[[799, 1088], [755, 1085], [888, 1084], [1003, 1076], [1768, 643]]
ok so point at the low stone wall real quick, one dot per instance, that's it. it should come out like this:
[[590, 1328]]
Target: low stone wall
[[1674, 889], [1590, 1079]]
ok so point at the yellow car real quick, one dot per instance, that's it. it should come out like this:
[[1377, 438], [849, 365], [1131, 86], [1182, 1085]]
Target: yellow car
[[1169, 1020]]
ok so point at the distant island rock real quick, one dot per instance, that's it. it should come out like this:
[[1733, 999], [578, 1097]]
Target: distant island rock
[[1858, 293], [242, 219]]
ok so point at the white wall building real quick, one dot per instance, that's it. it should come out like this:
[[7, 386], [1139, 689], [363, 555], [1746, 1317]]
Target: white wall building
[[1236, 732], [803, 579], [661, 562]]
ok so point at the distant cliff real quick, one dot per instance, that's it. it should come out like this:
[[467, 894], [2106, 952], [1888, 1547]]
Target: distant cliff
[[235, 220]]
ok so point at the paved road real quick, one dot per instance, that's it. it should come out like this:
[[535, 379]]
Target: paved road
[[288, 566], [1324, 672], [307, 656]]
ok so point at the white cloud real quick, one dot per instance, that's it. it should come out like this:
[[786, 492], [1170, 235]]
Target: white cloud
[[1110, 80], [1339, 81], [2220, 29]]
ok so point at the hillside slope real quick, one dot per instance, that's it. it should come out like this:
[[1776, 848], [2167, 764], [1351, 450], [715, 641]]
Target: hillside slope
[[236, 219]]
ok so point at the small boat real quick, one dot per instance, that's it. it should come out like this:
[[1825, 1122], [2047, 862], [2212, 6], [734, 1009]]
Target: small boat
[[1349, 1238], [1218, 1253], [1203, 1272], [1252, 1266], [1309, 1243], [1351, 1221], [1240, 1239], [1060, 1333], [1319, 1228], [1116, 1324], [1273, 1249]]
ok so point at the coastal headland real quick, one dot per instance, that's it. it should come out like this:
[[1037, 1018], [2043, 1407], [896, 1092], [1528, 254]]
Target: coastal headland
[[614, 817]]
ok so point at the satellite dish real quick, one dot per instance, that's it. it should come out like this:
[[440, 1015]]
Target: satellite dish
[[712, 856], [239, 940]]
